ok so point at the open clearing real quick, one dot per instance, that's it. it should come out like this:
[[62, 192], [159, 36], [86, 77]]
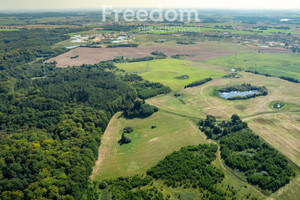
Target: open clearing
[[285, 64], [175, 128], [166, 71], [148, 145], [96, 55], [278, 127]]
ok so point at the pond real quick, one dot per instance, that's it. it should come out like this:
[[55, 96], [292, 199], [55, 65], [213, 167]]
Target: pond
[[278, 105], [227, 95]]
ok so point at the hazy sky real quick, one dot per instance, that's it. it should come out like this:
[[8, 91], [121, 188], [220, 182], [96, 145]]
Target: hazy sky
[[96, 4]]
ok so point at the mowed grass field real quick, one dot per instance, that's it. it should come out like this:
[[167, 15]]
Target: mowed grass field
[[166, 71], [279, 127], [148, 145], [273, 63]]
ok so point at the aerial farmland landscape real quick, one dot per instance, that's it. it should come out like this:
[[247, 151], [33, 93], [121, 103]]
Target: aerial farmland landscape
[[157, 100]]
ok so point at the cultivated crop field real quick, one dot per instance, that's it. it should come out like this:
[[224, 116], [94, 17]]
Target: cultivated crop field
[[199, 51]]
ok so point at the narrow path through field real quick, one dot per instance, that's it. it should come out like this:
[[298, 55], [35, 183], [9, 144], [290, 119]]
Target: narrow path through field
[[104, 149], [268, 113], [207, 102], [229, 171]]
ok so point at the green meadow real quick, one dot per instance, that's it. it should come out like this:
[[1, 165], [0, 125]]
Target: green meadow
[[273, 63], [166, 71], [148, 145], [12, 29]]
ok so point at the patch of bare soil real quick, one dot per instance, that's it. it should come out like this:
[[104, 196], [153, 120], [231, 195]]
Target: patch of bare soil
[[269, 49], [96, 55]]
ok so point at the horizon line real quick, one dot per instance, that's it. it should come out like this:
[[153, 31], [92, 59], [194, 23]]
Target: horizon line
[[8, 11]]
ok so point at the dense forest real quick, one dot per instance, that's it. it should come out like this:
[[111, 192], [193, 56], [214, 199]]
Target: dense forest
[[242, 150], [51, 123], [20, 47], [51, 128], [191, 167]]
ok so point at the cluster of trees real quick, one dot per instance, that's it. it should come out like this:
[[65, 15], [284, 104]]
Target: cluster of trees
[[232, 75], [262, 164], [294, 80], [215, 131], [159, 55], [256, 72], [124, 188], [122, 59], [262, 91], [124, 139], [121, 45], [241, 149], [179, 56], [291, 79], [191, 167], [197, 83], [128, 129], [146, 89], [186, 42], [140, 109], [295, 49]]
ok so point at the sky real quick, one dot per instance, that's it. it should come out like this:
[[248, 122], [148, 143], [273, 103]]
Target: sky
[[41, 5]]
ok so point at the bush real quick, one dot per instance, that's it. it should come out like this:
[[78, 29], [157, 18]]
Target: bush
[[140, 109], [124, 139], [128, 129], [197, 83]]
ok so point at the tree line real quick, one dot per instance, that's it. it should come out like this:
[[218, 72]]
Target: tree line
[[241, 149]]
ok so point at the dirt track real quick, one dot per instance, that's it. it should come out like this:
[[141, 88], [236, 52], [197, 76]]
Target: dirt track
[[104, 150]]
